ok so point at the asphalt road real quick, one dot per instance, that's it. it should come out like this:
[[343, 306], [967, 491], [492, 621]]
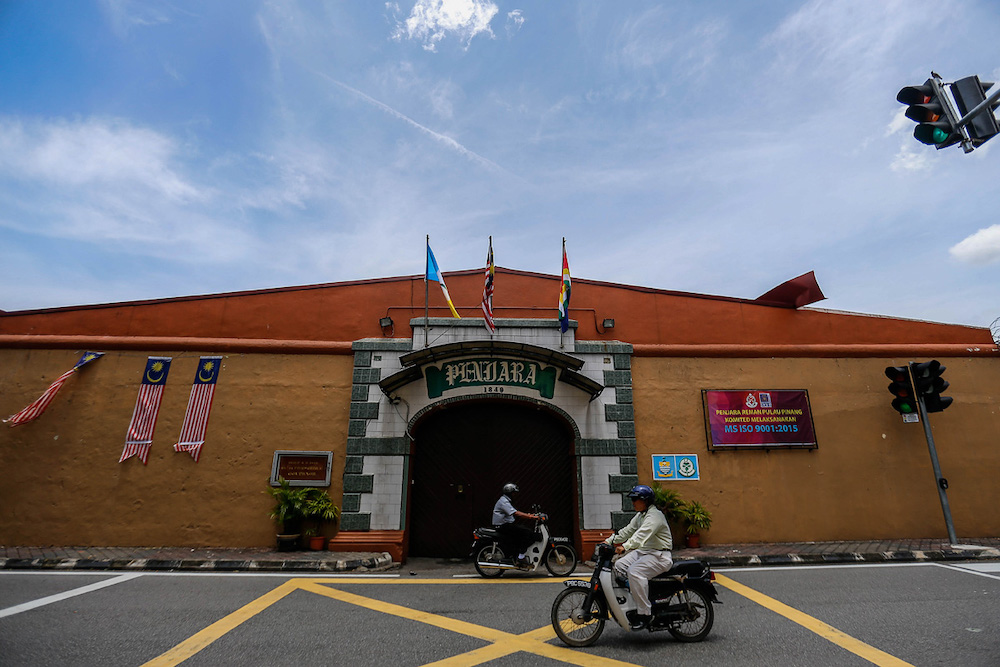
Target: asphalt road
[[923, 614]]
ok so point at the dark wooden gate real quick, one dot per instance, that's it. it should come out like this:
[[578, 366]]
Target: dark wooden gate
[[465, 453]]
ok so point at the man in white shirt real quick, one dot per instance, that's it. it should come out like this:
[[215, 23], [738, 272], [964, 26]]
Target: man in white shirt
[[648, 541]]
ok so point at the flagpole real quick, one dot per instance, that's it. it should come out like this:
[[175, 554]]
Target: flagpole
[[427, 267], [561, 279]]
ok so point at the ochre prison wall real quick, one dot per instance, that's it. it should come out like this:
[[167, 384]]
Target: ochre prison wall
[[63, 484], [871, 476]]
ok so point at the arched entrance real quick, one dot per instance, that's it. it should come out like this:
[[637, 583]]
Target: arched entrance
[[462, 456]]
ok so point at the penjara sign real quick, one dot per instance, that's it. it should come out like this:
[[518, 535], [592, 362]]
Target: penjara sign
[[491, 374]]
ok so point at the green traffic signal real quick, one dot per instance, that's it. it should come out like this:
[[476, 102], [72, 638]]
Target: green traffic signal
[[926, 106], [931, 134], [905, 402]]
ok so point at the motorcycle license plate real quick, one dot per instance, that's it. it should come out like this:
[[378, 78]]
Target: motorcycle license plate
[[577, 583]]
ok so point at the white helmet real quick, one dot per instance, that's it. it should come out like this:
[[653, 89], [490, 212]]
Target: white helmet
[[510, 488]]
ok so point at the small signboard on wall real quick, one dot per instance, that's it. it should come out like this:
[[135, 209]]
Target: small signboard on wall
[[302, 468], [758, 419], [676, 467]]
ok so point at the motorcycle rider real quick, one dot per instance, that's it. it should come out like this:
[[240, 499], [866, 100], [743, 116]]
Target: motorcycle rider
[[504, 521], [648, 540]]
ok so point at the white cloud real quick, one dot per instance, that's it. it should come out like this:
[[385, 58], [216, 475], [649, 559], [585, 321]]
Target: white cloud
[[983, 247], [125, 14], [515, 19], [77, 154], [659, 37], [430, 21]]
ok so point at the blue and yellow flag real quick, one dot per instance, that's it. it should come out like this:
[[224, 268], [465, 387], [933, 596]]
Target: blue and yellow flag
[[434, 273]]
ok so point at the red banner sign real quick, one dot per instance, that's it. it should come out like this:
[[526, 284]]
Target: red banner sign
[[751, 418]]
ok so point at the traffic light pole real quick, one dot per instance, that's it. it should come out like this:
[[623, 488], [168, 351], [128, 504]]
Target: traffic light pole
[[951, 112], [980, 108], [940, 482]]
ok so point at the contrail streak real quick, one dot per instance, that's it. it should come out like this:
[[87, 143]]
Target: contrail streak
[[447, 141]]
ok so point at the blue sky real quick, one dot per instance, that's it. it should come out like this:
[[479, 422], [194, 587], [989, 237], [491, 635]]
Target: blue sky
[[158, 149]]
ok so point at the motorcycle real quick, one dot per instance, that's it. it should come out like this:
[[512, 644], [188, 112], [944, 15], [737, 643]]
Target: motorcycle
[[557, 553], [682, 600]]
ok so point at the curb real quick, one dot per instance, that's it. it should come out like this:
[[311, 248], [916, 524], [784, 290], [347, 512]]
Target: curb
[[851, 557], [380, 562]]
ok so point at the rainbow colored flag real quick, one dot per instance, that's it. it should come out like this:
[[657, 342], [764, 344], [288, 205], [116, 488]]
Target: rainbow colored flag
[[564, 293]]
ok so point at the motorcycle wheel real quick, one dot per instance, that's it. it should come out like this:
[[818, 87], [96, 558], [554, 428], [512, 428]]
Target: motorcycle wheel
[[567, 618], [698, 622], [491, 553], [560, 561]]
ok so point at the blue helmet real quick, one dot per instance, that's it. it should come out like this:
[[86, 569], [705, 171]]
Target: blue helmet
[[641, 492]]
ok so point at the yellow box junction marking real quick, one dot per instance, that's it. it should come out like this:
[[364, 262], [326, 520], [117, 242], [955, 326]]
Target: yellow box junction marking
[[828, 632], [501, 643]]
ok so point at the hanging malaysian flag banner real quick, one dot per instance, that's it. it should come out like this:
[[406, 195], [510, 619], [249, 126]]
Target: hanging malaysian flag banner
[[488, 291], [564, 292], [147, 407], [35, 410], [199, 407]]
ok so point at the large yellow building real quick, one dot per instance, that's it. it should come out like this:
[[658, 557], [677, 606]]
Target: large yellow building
[[425, 418]]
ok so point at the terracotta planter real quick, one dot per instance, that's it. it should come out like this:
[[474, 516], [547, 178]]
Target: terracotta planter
[[317, 543], [692, 540]]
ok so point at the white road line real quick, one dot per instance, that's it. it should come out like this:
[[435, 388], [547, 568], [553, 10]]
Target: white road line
[[59, 597], [210, 573], [820, 566], [980, 569]]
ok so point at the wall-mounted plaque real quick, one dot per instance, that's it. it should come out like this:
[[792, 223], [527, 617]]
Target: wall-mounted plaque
[[302, 468], [676, 467], [758, 419]]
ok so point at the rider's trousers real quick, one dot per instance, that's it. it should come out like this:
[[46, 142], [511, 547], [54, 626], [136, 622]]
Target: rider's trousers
[[640, 566]]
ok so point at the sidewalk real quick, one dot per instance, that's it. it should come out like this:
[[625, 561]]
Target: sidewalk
[[269, 560]]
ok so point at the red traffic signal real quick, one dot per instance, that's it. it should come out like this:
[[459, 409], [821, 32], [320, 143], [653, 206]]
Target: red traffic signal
[[901, 387]]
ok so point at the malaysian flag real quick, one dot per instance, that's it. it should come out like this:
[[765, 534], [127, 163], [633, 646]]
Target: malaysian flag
[[199, 407], [35, 410], [147, 407], [488, 292]]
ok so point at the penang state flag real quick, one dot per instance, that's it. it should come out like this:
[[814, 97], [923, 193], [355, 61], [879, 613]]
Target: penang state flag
[[147, 407], [564, 293], [199, 406], [488, 291], [35, 410], [434, 273]]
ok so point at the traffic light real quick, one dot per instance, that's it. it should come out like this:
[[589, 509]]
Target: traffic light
[[905, 402], [969, 93], [935, 126], [929, 384]]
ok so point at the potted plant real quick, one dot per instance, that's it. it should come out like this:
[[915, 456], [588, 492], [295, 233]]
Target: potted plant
[[669, 502], [289, 511], [696, 518], [319, 508]]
